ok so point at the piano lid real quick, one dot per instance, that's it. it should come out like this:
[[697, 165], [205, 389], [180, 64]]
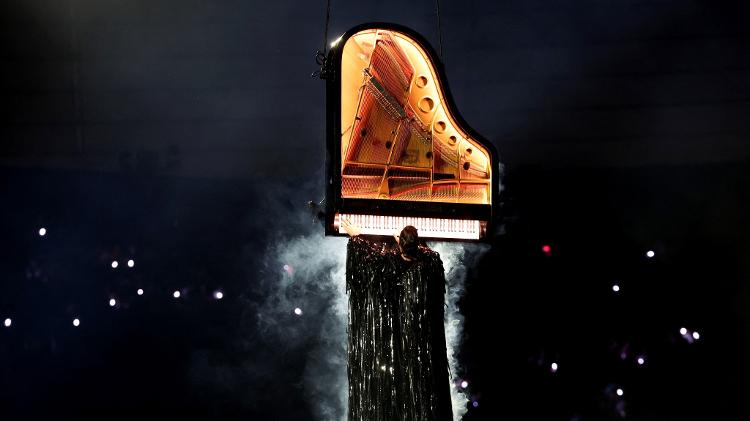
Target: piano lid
[[396, 145]]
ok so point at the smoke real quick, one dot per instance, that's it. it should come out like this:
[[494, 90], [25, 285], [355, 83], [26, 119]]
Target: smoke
[[313, 269], [456, 258]]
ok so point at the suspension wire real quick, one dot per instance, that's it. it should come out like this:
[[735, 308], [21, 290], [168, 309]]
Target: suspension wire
[[440, 30], [328, 19]]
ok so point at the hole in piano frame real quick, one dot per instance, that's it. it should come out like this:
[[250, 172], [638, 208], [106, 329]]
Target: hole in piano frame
[[440, 126], [453, 140], [426, 104], [421, 81]]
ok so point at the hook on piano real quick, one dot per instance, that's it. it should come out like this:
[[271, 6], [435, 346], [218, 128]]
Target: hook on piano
[[320, 59]]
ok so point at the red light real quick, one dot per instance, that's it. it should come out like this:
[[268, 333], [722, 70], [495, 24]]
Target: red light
[[546, 249], [288, 269]]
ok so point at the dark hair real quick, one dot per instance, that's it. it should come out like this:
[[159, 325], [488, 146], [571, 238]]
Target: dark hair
[[409, 240]]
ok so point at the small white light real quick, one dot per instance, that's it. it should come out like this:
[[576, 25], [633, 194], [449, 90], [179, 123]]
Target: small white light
[[42, 232], [76, 322], [464, 384], [8, 322], [114, 264], [641, 360], [475, 404], [298, 311], [219, 295], [131, 263], [650, 254], [696, 335], [112, 302], [616, 288], [140, 291], [176, 294], [620, 392], [683, 331], [554, 367]]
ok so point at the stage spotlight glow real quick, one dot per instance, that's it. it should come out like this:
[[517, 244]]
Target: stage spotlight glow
[[620, 392], [42, 232], [76, 322], [218, 295], [554, 367], [475, 404], [114, 264], [641, 360], [650, 254], [140, 291], [176, 294], [683, 331], [546, 248], [131, 263], [8, 322], [696, 335], [336, 41], [298, 311], [616, 288], [112, 302], [464, 384]]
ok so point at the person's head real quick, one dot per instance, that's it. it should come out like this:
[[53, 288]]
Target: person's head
[[408, 241]]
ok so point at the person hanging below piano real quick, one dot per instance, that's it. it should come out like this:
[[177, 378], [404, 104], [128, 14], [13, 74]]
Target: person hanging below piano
[[397, 360]]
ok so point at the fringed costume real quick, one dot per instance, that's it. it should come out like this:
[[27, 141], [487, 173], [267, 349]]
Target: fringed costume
[[397, 367]]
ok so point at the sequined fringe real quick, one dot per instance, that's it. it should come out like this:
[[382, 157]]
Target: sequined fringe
[[397, 365]]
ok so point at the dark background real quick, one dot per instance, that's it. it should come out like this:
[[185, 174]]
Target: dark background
[[188, 135]]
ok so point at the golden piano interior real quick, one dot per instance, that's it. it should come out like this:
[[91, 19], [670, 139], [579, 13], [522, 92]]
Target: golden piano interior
[[399, 139]]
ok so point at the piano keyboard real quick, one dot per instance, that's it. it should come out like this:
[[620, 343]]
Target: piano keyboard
[[460, 229]]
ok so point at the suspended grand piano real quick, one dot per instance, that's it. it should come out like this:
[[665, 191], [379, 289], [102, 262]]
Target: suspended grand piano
[[398, 152]]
